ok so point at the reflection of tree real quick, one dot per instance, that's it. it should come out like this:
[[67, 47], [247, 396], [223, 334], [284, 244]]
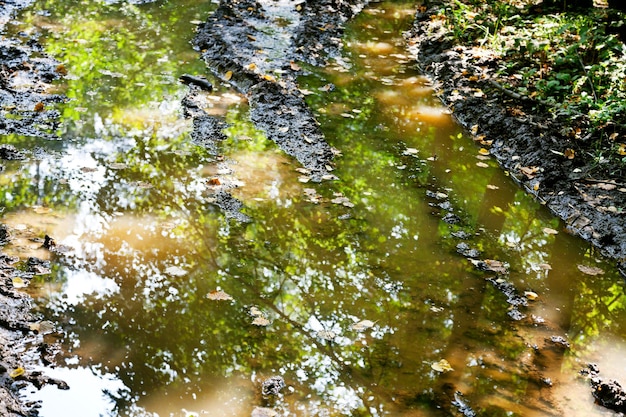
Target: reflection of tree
[[119, 55], [310, 269]]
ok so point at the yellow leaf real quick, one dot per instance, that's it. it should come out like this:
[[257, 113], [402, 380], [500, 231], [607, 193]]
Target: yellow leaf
[[252, 66], [621, 149], [19, 282], [569, 153], [531, 295], [17, 372], [442, 366], [483, 151], [269, 77], [252, 38], [228, 75]]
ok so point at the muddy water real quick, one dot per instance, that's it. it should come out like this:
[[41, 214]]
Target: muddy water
[[354, 291]]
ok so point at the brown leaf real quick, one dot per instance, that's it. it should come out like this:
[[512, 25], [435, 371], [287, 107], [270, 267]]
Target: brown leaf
[[530, 172], [260, 321], [295, 66], [218, 295], [569, 153]]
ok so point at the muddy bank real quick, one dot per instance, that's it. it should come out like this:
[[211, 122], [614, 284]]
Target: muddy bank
[[254, 46], [24, 79], [524, 138]]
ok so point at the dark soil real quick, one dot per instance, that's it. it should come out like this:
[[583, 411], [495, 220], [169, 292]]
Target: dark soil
[[527, 139]]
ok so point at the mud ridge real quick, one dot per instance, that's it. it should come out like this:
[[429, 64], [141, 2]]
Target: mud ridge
[[238, 48], [527, 140]]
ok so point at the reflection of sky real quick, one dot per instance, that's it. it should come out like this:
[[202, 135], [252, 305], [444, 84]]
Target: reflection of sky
[[80, 283], [86, 394]]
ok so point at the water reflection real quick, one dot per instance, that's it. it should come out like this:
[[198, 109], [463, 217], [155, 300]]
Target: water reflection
[[351, 290]]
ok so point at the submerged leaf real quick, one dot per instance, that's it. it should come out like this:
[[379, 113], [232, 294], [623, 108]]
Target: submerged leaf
[[218, 295], [590, 270], [550, 231], [442, 366]]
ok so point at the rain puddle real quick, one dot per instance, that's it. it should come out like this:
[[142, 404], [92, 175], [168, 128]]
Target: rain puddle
[[423, 282]]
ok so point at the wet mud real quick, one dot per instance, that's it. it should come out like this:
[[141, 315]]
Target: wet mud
[[527, 141], [25, 76], [254, 45]]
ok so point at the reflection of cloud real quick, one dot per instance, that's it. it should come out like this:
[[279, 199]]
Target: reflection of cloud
[[81, 283], [87, 393]]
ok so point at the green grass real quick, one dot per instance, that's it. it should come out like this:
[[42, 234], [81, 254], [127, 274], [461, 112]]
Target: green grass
[[570, 60]]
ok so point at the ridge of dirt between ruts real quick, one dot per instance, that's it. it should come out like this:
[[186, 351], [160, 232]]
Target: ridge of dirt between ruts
[[25, 75], [526, 141], [238, 50]]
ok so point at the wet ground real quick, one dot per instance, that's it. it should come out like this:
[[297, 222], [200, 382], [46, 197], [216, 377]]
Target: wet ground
[[334, 246]]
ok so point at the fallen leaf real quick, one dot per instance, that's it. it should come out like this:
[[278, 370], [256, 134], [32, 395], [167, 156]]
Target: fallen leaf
[[295, 66], [263, 411], [117, 165], [569, 153], [228, 75], [255, 312], [484, 151], [410, 151], [252, 38], [530, 172], [531, 295], [621, 149], [175, 271], [214, 181], [39, 106], [590, 270], [19, 282], [362, 325], [492, 187], [550, 231], [482, 165], [261, 321], [251, 66], [546, 267], [326, 334], [442, 366], [43, 327], [17, 372], [218, 295]]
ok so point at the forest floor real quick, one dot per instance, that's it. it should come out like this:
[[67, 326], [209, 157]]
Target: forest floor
[[523, 136]]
